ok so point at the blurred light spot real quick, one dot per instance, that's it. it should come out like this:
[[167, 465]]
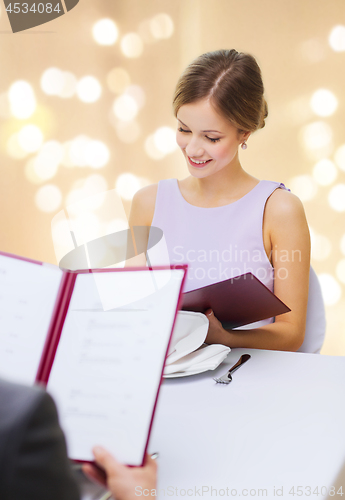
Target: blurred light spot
[[14, 149], [105, 32], [30, 173], [313, 50], [125, 107], [95, 184], [60, 83], [85, 152], [325, 172], [342, 244], [127, 132], [89, 89], [317, 140], [86, 224], [67, 160], [69, 86], [337, 38], [52, 81], [22, 99], [30, 138], [132, 45], [340, 270], [298, 110], [137, 93], [336, 198], [97, 154], [77, 149], [323, 102], [44, 171], [116, 225], [321, 247], [165, 140], [162, 26], [117, 80], [86, 188], [317, 135], [339, 157], [127, 185], [5, 109], [304, 187], [151, 149], [46, 163], [48, 198], [145, 32], [331, 290]]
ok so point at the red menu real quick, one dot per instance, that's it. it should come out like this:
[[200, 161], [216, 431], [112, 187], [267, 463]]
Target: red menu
[[236, 302], [98, 340]]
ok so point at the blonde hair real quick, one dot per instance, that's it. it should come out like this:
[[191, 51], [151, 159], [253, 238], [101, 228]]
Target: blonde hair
[[232, 81]]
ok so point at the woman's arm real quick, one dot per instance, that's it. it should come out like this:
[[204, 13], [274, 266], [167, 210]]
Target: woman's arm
[[286, 227], [141, 214]]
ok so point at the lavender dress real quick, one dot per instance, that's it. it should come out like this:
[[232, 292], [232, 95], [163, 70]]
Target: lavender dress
[[217, 243]]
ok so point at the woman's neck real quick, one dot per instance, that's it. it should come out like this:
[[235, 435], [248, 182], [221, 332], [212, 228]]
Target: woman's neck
[[222, 187]]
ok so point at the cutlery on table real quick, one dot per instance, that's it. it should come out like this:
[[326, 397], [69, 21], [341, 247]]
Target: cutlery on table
[[227, 378]]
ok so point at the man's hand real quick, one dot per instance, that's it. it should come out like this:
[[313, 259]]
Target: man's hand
[[125, 483]]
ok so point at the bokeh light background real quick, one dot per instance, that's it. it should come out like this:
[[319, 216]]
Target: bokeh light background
[[85, 106]]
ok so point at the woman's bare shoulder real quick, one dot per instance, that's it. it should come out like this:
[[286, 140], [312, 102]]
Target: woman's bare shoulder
[[143, 205], [284, 204]]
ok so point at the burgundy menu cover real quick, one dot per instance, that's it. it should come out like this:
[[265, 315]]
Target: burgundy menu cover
[[87, 335], [235, 302]]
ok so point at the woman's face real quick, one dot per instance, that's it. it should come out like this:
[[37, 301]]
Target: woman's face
[[208, 141]]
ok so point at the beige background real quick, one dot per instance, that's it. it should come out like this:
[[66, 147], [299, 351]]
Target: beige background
[[290, 42]]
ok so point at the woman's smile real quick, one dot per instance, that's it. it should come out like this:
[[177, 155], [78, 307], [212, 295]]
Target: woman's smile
[[198, 163]]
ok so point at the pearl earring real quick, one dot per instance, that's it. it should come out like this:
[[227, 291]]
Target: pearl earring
[[244, 145]]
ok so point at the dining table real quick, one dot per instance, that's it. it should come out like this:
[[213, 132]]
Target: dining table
[[276, 431]]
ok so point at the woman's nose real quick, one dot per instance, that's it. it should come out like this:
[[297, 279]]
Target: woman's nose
[[194, 148]]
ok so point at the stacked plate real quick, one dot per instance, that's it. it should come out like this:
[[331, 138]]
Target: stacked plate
[[188, 355]]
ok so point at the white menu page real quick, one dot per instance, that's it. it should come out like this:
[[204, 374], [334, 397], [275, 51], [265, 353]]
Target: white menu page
[[108, 364], [28, 293]]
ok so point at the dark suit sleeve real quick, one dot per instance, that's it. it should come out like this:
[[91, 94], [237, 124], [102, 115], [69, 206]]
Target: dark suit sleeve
[[42, 468]]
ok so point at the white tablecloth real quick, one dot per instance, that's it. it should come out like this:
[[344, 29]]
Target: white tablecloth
[[280, 424]]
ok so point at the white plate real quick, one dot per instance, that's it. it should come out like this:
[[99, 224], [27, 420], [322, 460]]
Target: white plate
[[187, 374]]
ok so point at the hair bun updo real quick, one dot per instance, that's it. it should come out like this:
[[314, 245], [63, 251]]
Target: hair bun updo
[[264, 113], [232, 81]]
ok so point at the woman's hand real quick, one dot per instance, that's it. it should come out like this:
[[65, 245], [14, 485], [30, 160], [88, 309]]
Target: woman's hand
[[216, 333]]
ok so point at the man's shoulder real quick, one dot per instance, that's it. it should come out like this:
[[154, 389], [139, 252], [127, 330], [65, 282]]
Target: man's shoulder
[[18, 402], [33, 454]]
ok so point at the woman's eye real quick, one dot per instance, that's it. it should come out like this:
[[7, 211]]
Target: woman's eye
[[180, 129], [213, 140]]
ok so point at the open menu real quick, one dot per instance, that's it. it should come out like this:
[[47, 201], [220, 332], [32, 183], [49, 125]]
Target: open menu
[[98, 340], [237, 301]]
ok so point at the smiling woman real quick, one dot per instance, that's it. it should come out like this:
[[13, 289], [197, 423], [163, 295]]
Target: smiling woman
[[213, 147], [222, 211]]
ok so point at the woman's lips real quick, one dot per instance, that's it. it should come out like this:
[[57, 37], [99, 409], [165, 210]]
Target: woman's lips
[[198, 165]]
